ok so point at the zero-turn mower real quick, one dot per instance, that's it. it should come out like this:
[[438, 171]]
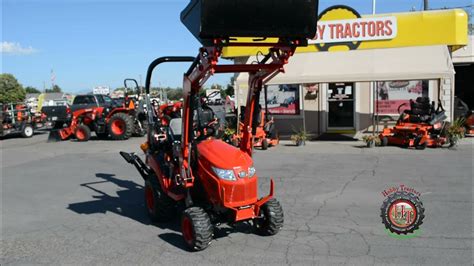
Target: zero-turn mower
[[186, 166], [420, 127], [469, 124]]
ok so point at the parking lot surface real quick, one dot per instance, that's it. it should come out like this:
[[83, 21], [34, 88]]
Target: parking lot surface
[[80, 203]]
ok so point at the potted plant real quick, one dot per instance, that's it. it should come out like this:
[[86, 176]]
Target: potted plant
[[371, 140], [455, 131], [300, 137]]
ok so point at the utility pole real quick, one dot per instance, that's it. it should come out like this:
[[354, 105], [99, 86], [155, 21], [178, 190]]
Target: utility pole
[[374, 3], [426, 5]]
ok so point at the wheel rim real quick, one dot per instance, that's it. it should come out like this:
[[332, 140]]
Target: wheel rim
[[80, 134], [187, 228], [28, 131], [118, 127], [150, 204]]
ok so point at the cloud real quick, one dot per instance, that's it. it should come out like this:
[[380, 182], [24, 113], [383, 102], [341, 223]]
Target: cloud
[[14, 48]]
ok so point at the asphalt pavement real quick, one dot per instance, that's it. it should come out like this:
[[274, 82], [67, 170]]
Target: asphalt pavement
[[80, 203]]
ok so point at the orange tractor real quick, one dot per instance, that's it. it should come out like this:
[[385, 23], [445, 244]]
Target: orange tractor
[[187, 168], [102, 115], [420, 127], [264, 136]]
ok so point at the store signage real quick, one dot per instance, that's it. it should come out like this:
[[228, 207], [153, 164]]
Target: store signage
[[104, 90], [355, 30]]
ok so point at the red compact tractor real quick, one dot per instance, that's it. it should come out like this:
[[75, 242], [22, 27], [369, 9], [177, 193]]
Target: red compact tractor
[[187, 168], [420, 127], [99, 113]]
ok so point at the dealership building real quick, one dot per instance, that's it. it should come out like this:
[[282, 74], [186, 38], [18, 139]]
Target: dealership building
[[358, 70]]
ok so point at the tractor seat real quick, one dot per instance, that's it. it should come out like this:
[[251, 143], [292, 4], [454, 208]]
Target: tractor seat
[[175, 128]]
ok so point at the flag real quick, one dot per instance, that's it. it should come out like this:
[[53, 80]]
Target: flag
[[53, 76]]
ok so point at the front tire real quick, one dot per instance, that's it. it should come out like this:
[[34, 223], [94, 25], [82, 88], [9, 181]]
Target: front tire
[[272, 220], [27, 131], [419, 146], [120, 126], [82, 133], [160, 207], [384, 141], [196, 228]]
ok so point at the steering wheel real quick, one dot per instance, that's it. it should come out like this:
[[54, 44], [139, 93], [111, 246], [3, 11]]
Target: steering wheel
[[208, 130]]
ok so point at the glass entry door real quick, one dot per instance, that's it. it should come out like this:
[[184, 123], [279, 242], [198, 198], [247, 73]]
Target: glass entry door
[[341, 105]]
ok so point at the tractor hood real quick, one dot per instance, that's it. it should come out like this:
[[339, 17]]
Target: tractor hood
[[223, 155]]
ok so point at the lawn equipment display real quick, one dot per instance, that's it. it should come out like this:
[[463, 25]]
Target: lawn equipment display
[[420, 127], [18, 119], [469, 124], [265, 134], [186, 166], [99, 114]]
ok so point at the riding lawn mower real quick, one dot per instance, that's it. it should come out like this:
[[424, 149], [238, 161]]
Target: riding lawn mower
[[186, 167], [420, 127]]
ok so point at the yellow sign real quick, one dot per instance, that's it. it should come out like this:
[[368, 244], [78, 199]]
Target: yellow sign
[[443, 27]]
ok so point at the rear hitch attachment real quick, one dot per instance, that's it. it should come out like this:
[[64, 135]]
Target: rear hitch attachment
[[142, 168]]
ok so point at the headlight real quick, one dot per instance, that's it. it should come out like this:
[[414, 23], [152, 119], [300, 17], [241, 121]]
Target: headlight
[[251, 171], [224, 174]]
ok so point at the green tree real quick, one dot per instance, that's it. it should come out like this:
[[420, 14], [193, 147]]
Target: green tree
[[230, 87], [10, 89], [55, 88], [30, 89]]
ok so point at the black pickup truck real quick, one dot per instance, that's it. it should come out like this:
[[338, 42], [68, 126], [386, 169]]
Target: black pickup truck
[[57, 116]]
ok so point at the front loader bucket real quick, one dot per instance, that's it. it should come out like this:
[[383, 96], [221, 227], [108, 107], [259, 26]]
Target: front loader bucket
[[54, 136], [57, 135]]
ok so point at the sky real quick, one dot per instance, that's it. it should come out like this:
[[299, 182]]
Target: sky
[[90, 43]]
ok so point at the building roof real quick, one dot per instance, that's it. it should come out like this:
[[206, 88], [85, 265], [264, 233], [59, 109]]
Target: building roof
[[32, 95], [55, 96]]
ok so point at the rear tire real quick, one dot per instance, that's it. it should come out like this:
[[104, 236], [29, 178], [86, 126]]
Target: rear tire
[[120, 126], [272, 220], [196, 228], [82, 133], [27, 131], [160, 207], [264, 144]]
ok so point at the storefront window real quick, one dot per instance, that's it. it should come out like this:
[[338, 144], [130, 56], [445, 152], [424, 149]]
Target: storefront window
[[282, 99], [392, 94]]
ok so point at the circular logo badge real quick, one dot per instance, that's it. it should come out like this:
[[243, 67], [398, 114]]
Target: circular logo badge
[[402, 212]]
